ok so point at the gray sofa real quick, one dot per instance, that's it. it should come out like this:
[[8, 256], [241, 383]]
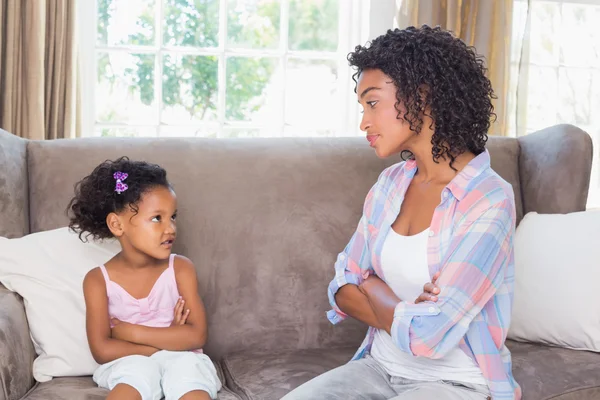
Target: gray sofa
[[263, 220]]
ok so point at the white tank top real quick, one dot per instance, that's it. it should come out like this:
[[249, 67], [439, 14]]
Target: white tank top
[[404, 265]]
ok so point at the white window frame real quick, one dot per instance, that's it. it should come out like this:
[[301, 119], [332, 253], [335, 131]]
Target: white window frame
[[360, 21]]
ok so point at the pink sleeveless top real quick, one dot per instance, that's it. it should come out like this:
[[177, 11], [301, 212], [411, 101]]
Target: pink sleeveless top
[[155, 310]]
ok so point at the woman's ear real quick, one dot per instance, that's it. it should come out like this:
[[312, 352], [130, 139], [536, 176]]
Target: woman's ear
[[113, 221]]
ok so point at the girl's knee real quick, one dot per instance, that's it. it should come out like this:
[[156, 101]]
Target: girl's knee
[[190, 372], [141, 373], [124, 391]]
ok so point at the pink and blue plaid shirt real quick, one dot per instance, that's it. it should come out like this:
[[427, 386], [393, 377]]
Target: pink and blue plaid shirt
[[471, 243]]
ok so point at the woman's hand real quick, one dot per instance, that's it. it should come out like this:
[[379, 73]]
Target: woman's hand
[[430, 291], [180, 314]]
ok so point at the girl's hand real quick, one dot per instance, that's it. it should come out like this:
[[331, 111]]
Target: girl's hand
[[180, 314], [123, 330], [430, 291]]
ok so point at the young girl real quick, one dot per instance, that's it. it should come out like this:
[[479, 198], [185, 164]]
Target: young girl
[[146, 323]]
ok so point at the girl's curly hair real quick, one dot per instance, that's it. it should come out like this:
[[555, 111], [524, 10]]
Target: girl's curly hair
[[95, 195], [433, 70]]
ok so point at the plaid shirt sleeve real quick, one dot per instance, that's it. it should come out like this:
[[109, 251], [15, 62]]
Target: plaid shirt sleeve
[[353, 265], [472, 271]]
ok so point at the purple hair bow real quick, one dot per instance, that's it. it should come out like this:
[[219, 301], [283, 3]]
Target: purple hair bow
[[120, 187]]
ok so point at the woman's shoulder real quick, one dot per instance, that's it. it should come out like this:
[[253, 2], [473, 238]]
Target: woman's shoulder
[[492, 185], [394, 174], [489, 190], [389, 180]]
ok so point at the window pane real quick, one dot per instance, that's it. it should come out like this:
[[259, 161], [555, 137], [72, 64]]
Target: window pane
[[545, 24], [542, 97], [190, 88], [311, 95], [191, 23], [253, 23], [125, 88], [122, 22], [252, 89], [188, 131], [574, 86], [313, 25], [130, 131], [580, 38]]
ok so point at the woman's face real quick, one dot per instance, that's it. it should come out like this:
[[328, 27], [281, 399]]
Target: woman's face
[[386, 133]]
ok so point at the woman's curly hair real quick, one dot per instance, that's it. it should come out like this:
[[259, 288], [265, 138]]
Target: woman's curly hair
[[433, 70], [95, 195]]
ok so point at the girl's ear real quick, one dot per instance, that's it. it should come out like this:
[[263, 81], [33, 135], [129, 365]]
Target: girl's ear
[[114, 223]]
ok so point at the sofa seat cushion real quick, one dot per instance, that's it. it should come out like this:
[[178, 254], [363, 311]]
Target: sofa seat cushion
[[554, 373], [80, 388], [84, 388], [543, 372], [269, 376]]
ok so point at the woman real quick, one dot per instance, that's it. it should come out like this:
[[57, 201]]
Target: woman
[[430, 268]]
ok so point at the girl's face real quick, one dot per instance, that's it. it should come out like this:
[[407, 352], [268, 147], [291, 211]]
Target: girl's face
[[152, 230], [386, 133]]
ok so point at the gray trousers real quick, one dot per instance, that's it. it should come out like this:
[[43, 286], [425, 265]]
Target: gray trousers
[[365, 379]]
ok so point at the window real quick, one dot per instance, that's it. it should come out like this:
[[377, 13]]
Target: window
[[559, 81], [221, 68]]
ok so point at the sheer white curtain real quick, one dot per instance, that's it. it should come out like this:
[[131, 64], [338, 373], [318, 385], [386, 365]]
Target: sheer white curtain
[[555, 71]]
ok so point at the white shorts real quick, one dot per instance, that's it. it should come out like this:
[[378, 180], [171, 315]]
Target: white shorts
[[166, 373]]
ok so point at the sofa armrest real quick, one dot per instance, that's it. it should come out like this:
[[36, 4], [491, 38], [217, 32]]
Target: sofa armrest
[[555, 166], [16, 349], [14, 187]]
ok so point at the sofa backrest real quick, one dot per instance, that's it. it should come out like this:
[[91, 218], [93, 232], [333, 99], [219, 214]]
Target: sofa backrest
[[263, 220]]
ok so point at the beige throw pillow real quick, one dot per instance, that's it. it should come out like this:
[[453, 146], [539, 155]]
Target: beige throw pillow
[[557, 267], [47, 270]]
